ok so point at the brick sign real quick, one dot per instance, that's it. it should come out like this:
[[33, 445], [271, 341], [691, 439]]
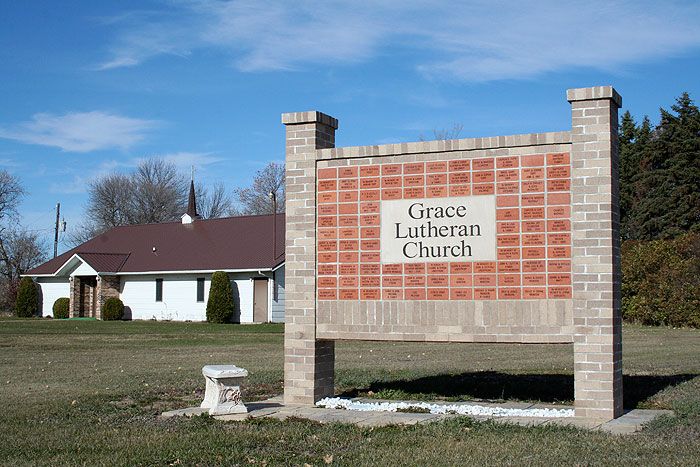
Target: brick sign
[[500, 239], [488, 228]]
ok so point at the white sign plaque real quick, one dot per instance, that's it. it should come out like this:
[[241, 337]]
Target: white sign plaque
[[438, 229]]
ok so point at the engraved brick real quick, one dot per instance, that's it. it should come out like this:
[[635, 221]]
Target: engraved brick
[[369, 183], [485, 294], [348, 294], [348, 184], [392, 294], [459, 190], [461, 280], [327, 185], [347, 172], [558, 211], [436, 191], [414, 168], [327, 209], [433, 167], [391, 169], [391, 193], [534, 279], [507, 214], [460, 294], [370, 294], [348, 232], [392, 268], [509, 293], [533, 226], [563, 171], [506, 162], [483, 189], [509, 175], [438, 294], [534, 292], [483, 177], [414, 294], [348, 281], [459, 165], [558, 159], [507, 227], [532, 186], [369, 170], [460, 268], [508, 240], [350, 196], [413, 193], [482, 164], [534, 266], [438, 281], [414, 180]]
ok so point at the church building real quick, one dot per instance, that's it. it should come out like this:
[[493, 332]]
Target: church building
[[163, 271]]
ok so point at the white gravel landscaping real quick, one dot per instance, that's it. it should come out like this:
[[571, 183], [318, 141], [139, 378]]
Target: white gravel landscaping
[[459, 409]]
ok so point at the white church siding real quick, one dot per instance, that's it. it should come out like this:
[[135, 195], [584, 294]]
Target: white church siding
[[51, 290], [138, 292], [277, 299]]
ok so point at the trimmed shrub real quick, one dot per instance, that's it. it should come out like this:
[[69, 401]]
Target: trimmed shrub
[[661, 281], [27, 304], [113, 309], [220, 305], [60, 308]]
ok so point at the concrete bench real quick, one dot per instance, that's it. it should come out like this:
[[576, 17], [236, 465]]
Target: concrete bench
[[222, 395]]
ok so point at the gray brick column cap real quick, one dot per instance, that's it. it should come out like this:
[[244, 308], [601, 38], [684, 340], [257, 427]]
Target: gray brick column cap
[[593, 94], [312, 116]]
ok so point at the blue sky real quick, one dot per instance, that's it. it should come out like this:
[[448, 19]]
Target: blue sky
[[91, 87]]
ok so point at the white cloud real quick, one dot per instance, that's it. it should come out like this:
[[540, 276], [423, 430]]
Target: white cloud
[[80, 131], [472, 41], [185, 160]]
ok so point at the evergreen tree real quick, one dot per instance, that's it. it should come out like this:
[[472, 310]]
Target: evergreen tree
[[27, 298], [220, 305], [629, 165], [663, 198]]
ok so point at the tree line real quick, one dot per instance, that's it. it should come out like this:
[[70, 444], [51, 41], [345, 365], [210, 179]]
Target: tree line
[[659, 201], [154, 191]]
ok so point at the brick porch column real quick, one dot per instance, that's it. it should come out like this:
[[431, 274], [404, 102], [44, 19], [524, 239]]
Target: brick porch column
[[596, 252], [308, 363], [74, 297]]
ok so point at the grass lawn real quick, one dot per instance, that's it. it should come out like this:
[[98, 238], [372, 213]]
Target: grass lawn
[[89, 392]]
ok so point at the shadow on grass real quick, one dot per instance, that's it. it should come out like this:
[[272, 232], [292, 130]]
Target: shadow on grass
[[493, 385]]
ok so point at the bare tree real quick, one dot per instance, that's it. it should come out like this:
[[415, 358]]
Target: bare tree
[[444, 133], [20, 251], [159, 192], [111, 200], [214, 203], [11, 192], [154, 192], [256, 198]]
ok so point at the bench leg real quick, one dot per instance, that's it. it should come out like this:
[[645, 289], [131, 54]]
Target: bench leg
[[223, 396]]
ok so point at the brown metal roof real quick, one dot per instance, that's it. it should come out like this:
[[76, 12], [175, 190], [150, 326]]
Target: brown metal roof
[[105, 262], [243, 242]]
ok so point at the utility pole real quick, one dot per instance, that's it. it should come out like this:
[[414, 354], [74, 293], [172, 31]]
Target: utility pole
[[55, 238]]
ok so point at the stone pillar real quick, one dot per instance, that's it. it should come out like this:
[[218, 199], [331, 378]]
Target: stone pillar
[[74, 297], [308, 363], [596, 277], [107, 287]]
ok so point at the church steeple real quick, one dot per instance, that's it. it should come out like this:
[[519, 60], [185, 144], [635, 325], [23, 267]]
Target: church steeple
[[191, 214]]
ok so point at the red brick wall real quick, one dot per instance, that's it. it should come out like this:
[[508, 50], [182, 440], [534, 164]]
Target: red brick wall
[[533, 210]]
